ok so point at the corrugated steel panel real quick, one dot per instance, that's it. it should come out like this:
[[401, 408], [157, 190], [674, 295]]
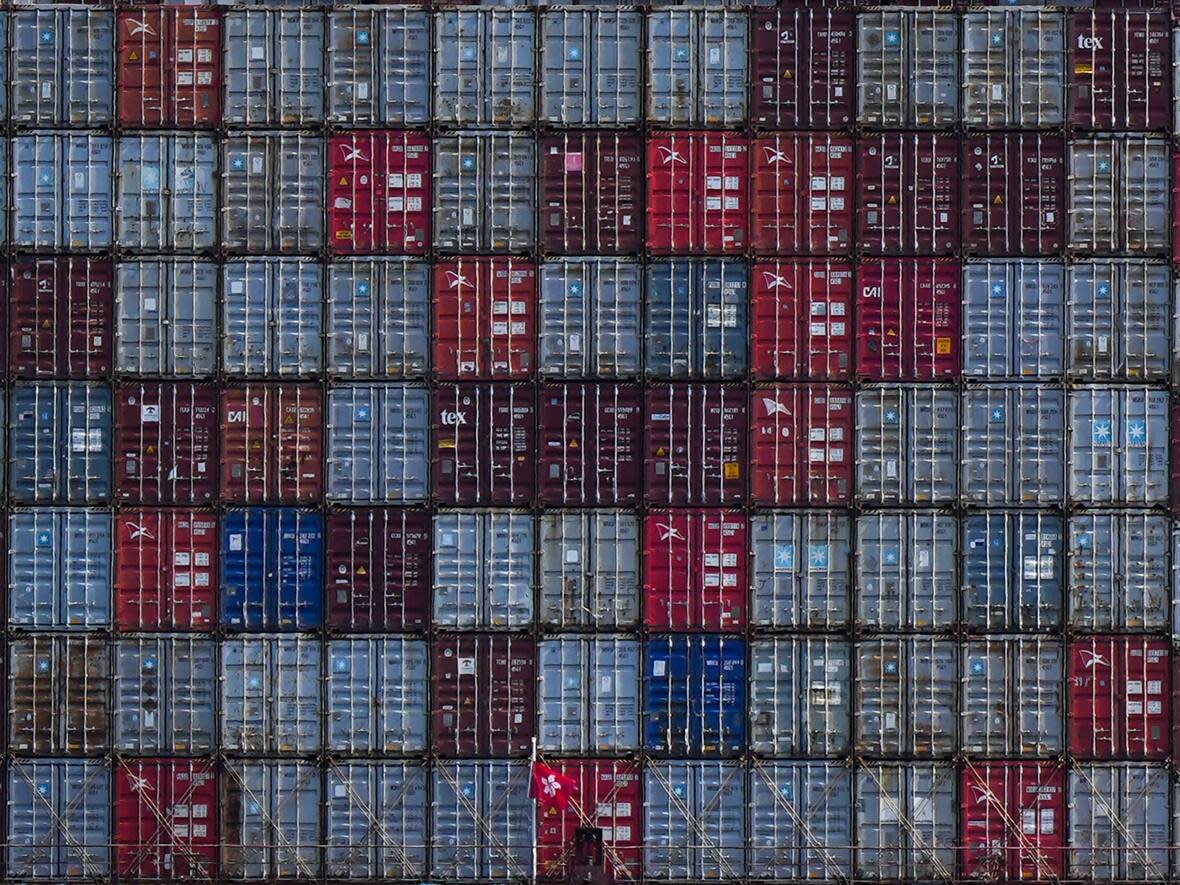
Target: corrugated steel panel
[[1014, 820], [165, 200], [907, 823], [907, 444], [483, 569], [1118, 63], [61, 190], [484, 439], [166, 443], [378, 318], [271, 694], [167, 317], [801, 444], [802, 193], [1013, 315], [1117, 320], [271, 317], [170, 67], [59, 819], [1015, 194], [697, 192], [1119, 822], [906, 571], [801, 569], [165, 569], [1118, 195], [696, 444], [908, 320], [59, 568], [695, 324], [60, 443], [1013, 696], [1013, 570], [378, 443], [589, 317], [590, 70], [802, 67], [590, 444], [485, 318], [589, 569], [59, 694], [272, 443], [484, 67], [166, 819], [376, 695], [591, 192], [588, 694], [696, 67], [272, 192], [694, 693], [694, 820], [908, 68], [271, 569], [801, 319], [61, 318], [484, 192], [379, 66], [1014, 68], [481, 820], [376, 825], [164, 694], [906, 697], [800, 696], [695, 570], [379, 192], [1120, 702], [270, 819], [1013, 444], [1118, 568], [907, 193], [1118, 445], [611, 799], [801, 819], [274, 67], [62, 66]]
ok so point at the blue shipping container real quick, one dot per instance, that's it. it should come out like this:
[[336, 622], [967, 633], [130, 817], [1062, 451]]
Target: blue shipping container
[[272, 569], [695, 695], [60, 443]]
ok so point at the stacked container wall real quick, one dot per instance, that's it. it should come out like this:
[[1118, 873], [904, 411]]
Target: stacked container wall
[[613, 801], [59, 443], [588, 694], [374, 821], [800, 569], [801, 820], [270, 819], [484, 443], [272, 444], [485, 318], [906, 573], [377, 442], [800, 696], [271, 694], [1119, 697], [694, 695], [802, 194], [59, 568], [165, 440], [166, 201], [801, 444], [272, 192], [481, 820], [483, 569], [1013, 316], [906, 820], [164, 694], [694, 819], [1118, 195], [391, 668], [1014, 68]]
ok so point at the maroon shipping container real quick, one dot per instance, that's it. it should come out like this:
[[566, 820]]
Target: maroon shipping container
[[165, 819], [803, 67], [485, 318], [695, 570], [591, 193], [61, 318], [165, 443], [609, 796], [485, 443], [908, 194], [1015, 194], [802, 444], [1120, 70], [165, 570], [379, 192], [802, 199], [1119, 697], [697, 192], [591, 444], [378, 569], [170, 67], [1014, 818], [696, 444], [802, 319], [272, 443], [908, 319], [482, 694]]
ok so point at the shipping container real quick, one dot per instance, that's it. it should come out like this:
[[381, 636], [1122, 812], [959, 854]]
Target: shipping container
[[907, 821], [907, 444], [802, 67], [167, 317], [378, 443], [906, 697], [1014, 68], [484, 67], [1013, 696], [1118, 195], [272, 443], [907, 571], [376, 820], [62, 66], [379, 192], [376, 695], [59, 568], [1119, 822], [696, 67], [61, 190], [589, 569], [695, 321], [590, 74], [588, 695], [591, 189], [271, 696], [907, 194], [484, 443], [485, 318], [59, 694], [590, 444], [696, 444], [272, 317], [164, 694], [165, 201], [800, 696], [170, 67], [1013, 570], [1013, 443], [378, 318], [801, 444], [1120, 697], [908, 320], [908, 69], [1117, 320], [695, 573], [694, 695], [59, 819], [271, 569], [61, 318], [165, 443], [59, 443], [482, 695], [1014, 821], [1118, 70], [801, 820], [165, 571], [481, 821], [274, 67], [484, 195], [698, 187], [270, 819], [1014, 194], [1118, 445], [610, 797], [1118, 571], [694, 820], [165, 819], [272, 186], [801, 319], [589, 318], [483, 569], [378, 563], [802, 193], [1013, 315], [379, 66], [801, 569]]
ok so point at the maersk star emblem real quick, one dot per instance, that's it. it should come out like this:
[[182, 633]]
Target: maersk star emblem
[[1136, 433], [1102, 433]]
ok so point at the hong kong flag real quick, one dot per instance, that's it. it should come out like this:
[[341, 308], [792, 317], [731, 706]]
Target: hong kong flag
[[550, 788]]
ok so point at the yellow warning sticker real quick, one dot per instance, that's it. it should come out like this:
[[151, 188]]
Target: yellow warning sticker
[[732, 470], [942, 346]]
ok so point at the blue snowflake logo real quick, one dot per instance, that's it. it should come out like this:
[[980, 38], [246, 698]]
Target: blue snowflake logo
[[363, 288], [784, 556], [46, 36], [818, 556], [574, 53], [997, 290], [998, 413], [892, 38], [575, 288], [1136, 433], [1102, 433], [1104, 290], [891, 416]]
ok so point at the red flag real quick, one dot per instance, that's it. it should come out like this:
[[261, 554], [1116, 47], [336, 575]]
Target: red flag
[[550, 787]]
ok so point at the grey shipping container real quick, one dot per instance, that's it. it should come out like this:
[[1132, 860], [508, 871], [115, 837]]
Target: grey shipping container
[[1013, 319], [590, 70], [270, 694], [378, 318], [695, 322], [801, 820], [694, 820], [483, 568], [1013, 694], [59, 819], [1014, 68], [60, 443], [802, 570], [165, 690], [907, 446], [270, 819], [1118, 445], [379, 66], [588, 695], [1118, 571], [166, 199], [483, 67], [167, 317], [376, 825], [696, 66], [907, 68], [906, 571], [377, 695], [1013, 444], [1118, 195], [589, 569], [1119, 822], [62, 66], [272, 192], [484, 192], [274, 67], [482, 820], [1013, 567], [800, 696], [59, 568], [907, 821], [59, 694], [590, 317], [906, 697], [378, 443], [1117, 320], [272, 315], [62, 193]]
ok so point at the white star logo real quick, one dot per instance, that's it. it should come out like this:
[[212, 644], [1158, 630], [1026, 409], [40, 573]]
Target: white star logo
[[456, 279], [352, 152], [774, 407], [138, 27], [1091, 659], [140, 531], [667, 531], [773, 280], [669, 155], [774, 155]]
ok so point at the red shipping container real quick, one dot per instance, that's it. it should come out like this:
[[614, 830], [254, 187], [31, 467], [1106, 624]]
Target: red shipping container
[[482, 695], [165, 570], [1119, 698], [485, 322], [802, 444], [1015, 192], [170, 67], [379, 192], [697, 192], [1014, 819], [272, 443], [803, 67], [802, 199], [591, 444], [378, 568], [908, 319], [591, 193], [696, 444], [802, 319], [61, 318], [165, 443], [485, 443], [695, 574], [1120, 70], [165, 825], [609, 795], [908, 194]]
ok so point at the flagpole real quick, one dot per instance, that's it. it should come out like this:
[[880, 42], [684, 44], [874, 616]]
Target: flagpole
[[536, 807]]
